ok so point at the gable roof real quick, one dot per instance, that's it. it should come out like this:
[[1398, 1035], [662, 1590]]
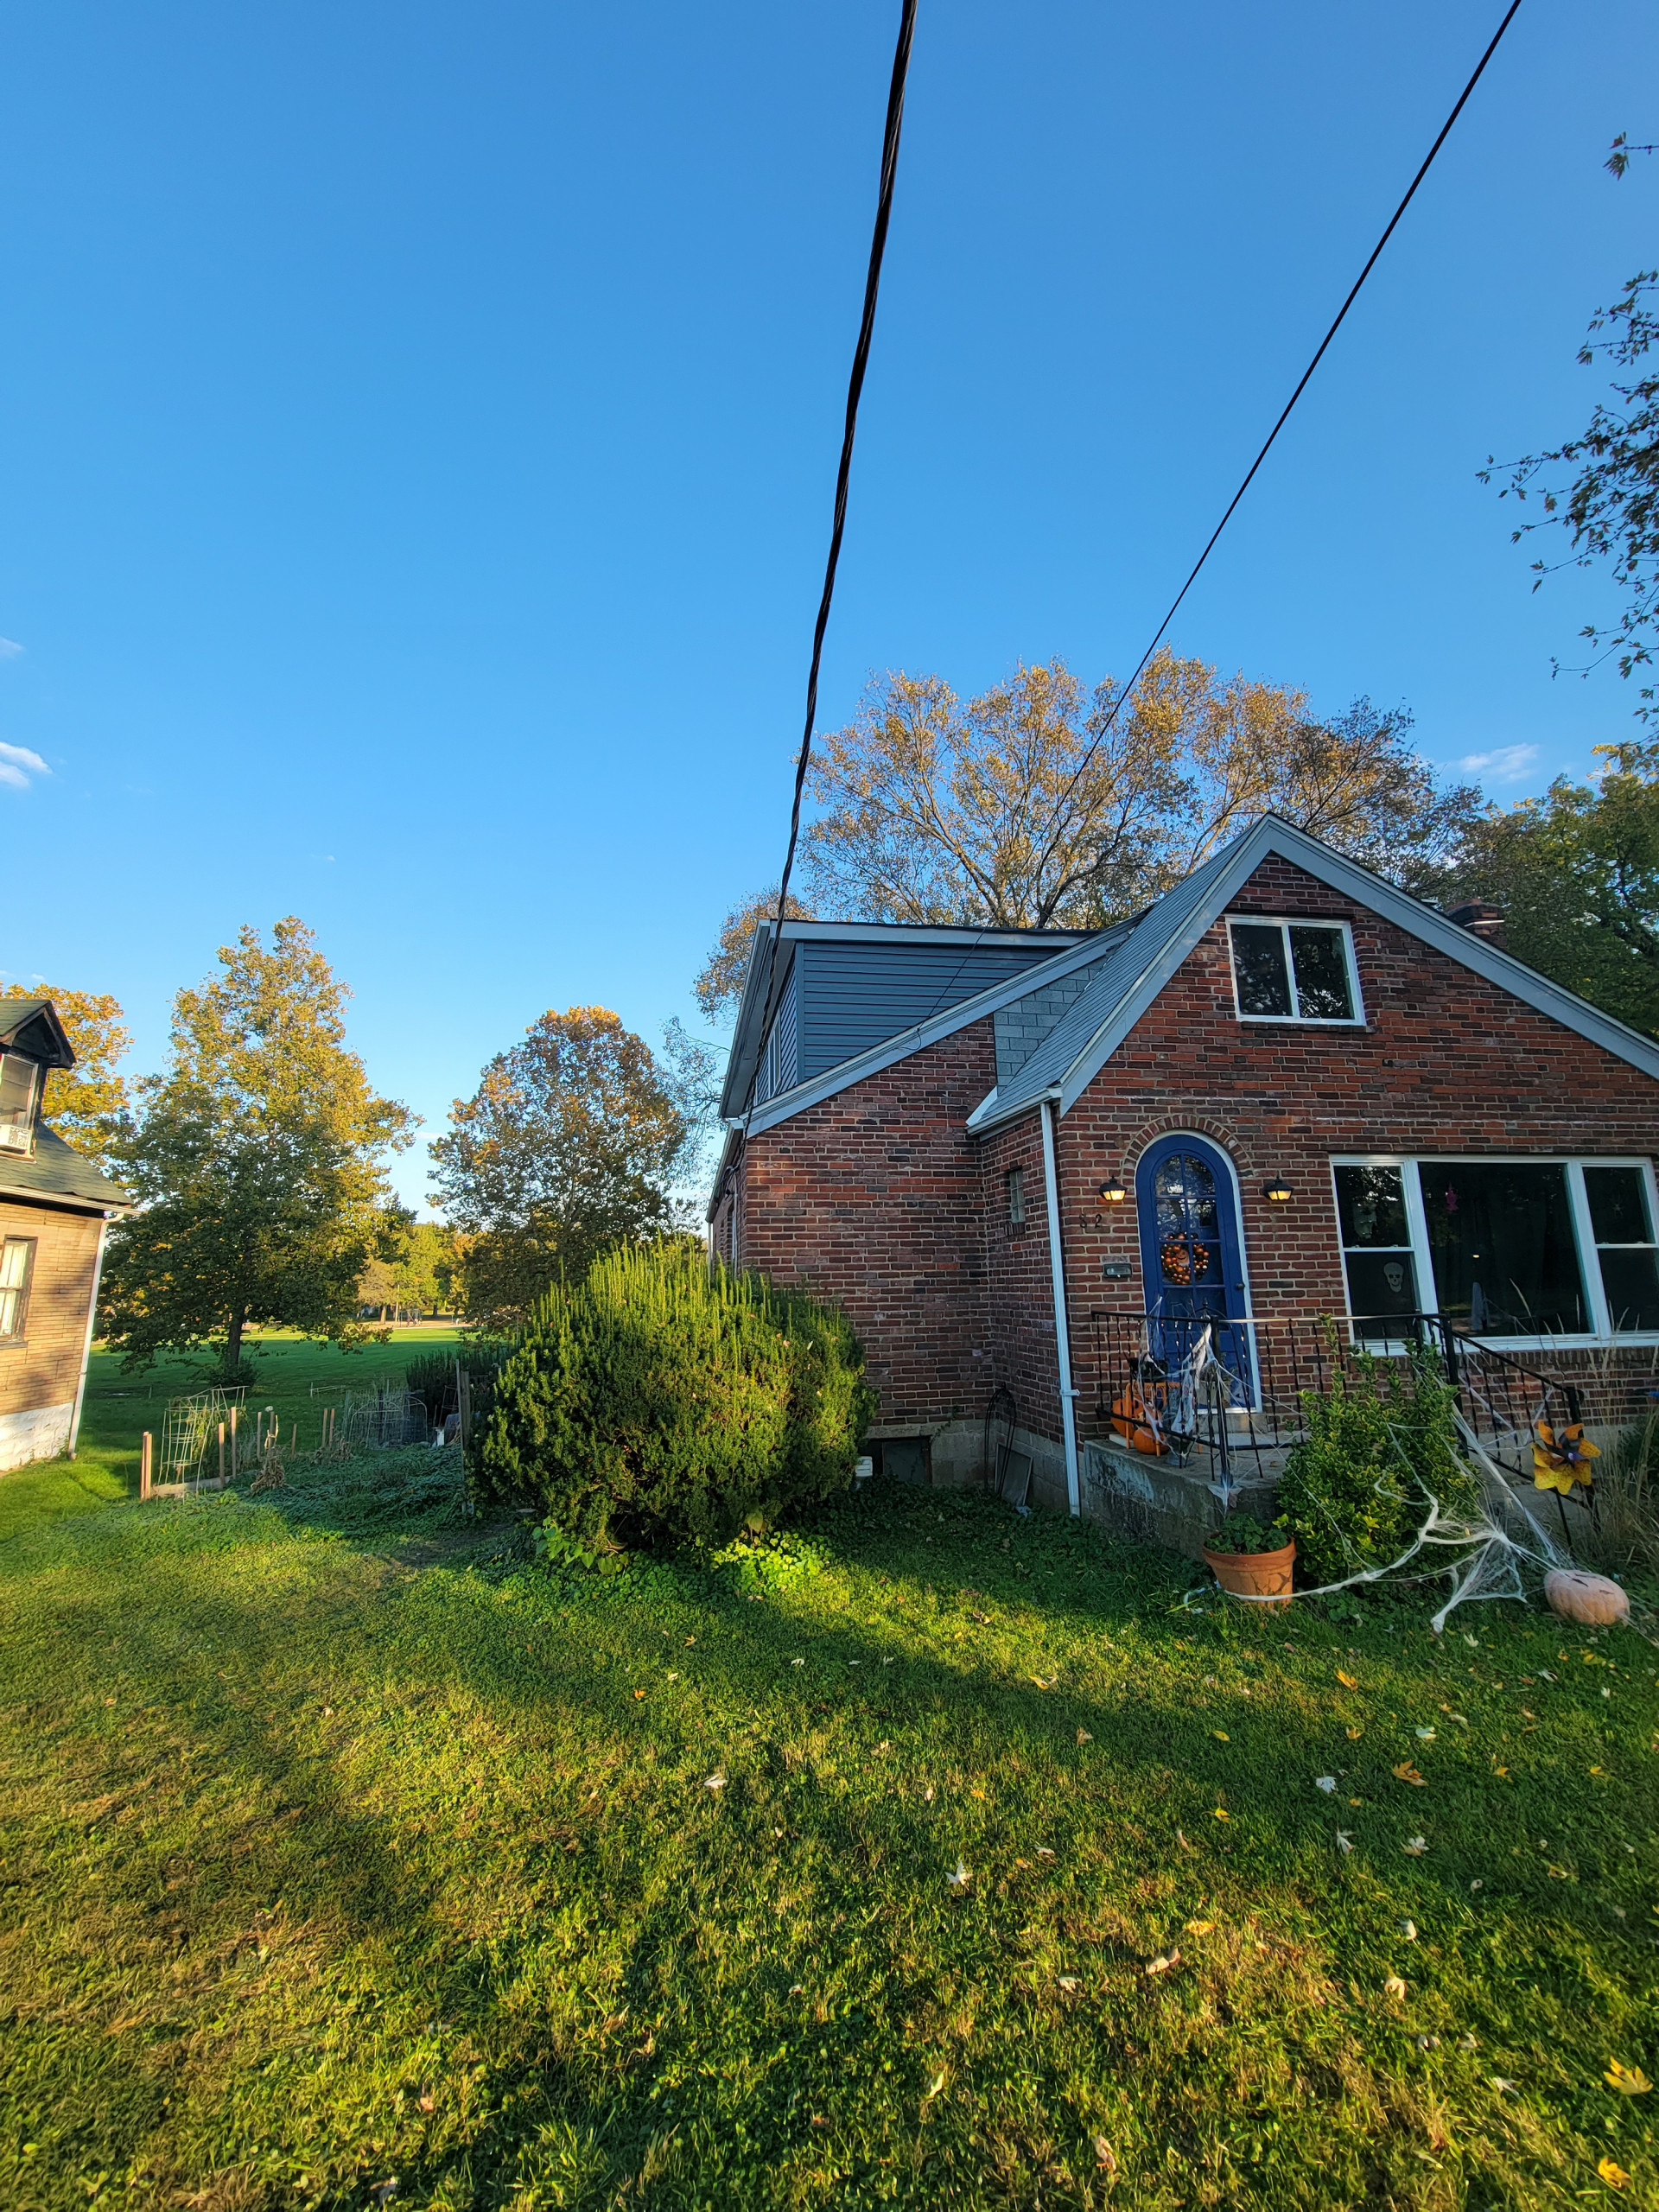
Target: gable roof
[[56, 1170], [32, 1026], [1083, 1039]]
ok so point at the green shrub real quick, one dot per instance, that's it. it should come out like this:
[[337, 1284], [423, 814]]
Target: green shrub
[[1380, 1443], [1240, 1532], [658, 1400]]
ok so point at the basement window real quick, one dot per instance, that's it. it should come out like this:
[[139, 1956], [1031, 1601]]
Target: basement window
[[1016, 1180], [17, 1271], [1294, 971]]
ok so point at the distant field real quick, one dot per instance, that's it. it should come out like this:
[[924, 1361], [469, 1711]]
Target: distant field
[[299, 1377]]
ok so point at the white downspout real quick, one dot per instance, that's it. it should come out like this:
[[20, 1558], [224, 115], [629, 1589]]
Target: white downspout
[[86, 1348], [1062, 1329]]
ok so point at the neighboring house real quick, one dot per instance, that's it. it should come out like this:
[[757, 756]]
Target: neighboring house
[[1286, 1092], [55, 1208]]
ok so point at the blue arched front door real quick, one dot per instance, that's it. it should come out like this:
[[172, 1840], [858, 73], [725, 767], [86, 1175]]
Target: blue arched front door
[[1193, 1251]]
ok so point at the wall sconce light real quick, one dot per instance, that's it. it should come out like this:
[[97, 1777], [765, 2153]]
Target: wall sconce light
[[1113, 1192], [1275, 1190]]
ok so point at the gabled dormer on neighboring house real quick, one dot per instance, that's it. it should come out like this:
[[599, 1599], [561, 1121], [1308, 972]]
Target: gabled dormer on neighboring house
[[55, 1207], [32, 1041]]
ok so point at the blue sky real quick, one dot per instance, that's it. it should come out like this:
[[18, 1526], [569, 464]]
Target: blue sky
[[420, 426]]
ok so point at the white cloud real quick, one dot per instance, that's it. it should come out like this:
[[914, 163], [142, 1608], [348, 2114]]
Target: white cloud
[[1506, 763], [9, 649], [17, 763]]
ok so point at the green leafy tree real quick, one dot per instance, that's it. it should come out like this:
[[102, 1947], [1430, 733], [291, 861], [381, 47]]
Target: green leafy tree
[[1576, 874], [258, 1159], [86, 1103], [1602, 487], [568, 1147]]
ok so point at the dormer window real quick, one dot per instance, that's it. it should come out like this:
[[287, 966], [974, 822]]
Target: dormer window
[[19, 1092], [1294, 971]]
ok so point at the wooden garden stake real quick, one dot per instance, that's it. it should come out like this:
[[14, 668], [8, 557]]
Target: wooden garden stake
[[144, 1462], [221, 1455]]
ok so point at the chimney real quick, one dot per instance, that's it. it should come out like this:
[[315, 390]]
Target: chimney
[[1480, 919]]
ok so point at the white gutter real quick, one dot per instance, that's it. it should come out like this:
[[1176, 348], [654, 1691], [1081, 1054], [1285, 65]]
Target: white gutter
[[1062, 1327], [86, 1348]]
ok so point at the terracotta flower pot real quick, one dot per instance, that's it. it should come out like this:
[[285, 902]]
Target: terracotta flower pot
[[1255, 1574]]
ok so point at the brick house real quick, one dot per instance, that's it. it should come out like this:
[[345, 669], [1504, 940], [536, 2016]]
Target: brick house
[[1286, 1092], [55, 1209]]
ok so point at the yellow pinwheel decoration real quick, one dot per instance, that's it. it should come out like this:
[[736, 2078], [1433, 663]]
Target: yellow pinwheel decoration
[[1562, 1457]]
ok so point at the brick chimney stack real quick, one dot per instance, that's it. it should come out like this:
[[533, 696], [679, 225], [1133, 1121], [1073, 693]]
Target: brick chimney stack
[[1480, 919]]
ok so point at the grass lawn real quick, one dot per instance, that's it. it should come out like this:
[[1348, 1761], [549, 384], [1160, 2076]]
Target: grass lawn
[[344, 1848]]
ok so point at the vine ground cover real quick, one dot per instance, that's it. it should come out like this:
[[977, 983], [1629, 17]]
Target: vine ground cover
[[930, 1859]]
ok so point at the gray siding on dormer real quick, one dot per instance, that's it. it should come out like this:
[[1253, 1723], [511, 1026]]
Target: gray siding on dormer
[[779, 1057], [1021, 1027], [855, 995]]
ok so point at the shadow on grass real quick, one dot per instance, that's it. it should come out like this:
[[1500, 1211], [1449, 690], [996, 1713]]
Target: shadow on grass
[[862, 1849]]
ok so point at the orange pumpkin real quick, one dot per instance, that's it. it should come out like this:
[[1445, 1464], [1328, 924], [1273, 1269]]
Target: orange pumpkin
[[1591, 1600]]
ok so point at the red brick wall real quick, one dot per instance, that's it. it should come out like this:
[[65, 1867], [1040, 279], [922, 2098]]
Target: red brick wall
[[1021, 1300], [1446, 1063], [873, 1199]]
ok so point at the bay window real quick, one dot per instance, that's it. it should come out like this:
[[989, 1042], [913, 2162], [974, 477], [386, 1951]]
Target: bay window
[[1537, 1249]]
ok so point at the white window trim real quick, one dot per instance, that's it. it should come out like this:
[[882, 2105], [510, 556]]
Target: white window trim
[[1584, 1238], [1287, 922]]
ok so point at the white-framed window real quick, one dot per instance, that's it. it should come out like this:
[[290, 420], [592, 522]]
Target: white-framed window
[[19, 1088], [1525, 1249], [17, 1271], [1289, 970]]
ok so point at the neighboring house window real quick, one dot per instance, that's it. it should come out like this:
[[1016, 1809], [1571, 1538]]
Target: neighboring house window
[[17, 1266], [19, 1080], [1521, 1248], [1017, 1196], [1294, 971]]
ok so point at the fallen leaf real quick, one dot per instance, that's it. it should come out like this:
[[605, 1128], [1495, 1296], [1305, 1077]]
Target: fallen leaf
[[1408, 1929], [1598, 1769], [960, 1879], [638, 1693], [1103, 2158], [1067, 1981], [1347, 1680], [1500, 2084], [1468, 2043], [1325, 1782], [1162, 1964], [1612, 2174], [428, 2101], [1198, 1927], [1354, 1735], [1084, 1737], [1345, 1840], [1394, 1986], [715, 1781], [673, 1678], [1042, 1851], [1560, 1874], [1222, 1814], [1182, 1840], [1425, 1735], [935, 2086], [1406, 1772], [1416, 1846], [1221, 1735], [976, 1793], [1629, 2080]]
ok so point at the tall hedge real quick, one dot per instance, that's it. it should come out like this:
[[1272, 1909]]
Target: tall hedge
[[658, 1399]]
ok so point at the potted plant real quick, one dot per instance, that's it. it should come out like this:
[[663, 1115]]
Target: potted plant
[[1251, 1558]]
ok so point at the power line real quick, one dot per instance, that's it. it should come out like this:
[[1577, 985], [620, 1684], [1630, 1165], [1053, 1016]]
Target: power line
[[854, 387], [1302, 384]]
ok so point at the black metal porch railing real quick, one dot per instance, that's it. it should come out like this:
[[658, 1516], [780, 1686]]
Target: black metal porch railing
[[1248, 1410]]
